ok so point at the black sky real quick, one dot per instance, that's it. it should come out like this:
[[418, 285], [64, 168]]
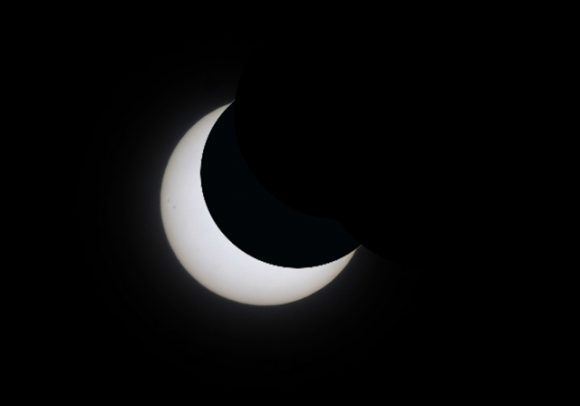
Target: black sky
[[118, 98]]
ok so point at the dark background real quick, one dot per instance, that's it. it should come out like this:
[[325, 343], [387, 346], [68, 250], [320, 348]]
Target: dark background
[[118, 98]]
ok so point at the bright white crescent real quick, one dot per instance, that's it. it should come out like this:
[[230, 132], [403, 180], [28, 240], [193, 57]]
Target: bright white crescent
[[207, 254]]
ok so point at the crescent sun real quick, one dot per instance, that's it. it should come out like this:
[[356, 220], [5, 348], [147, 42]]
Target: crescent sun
[[207, 254]]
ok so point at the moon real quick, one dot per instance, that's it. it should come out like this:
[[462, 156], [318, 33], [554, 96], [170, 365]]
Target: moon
[[207, 254]]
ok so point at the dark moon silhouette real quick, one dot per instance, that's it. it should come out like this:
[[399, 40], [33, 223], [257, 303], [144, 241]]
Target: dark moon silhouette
[[253, 219]]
